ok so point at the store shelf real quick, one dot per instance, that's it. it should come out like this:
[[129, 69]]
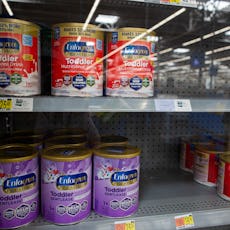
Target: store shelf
[[112, 104], [185, 3], [108, 104], [163, 196]]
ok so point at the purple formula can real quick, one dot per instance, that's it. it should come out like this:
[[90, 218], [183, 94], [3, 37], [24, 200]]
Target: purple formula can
[[66, 181], [116, 180], [19, 196]]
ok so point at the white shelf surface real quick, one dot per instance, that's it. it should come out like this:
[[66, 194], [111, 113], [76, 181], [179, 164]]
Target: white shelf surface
[[162, 197]]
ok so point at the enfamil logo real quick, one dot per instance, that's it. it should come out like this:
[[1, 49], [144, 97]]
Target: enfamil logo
[[20, 183]]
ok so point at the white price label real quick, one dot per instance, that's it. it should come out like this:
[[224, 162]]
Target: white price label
[[164, 105], [22, 104], [172, 105], [182, 105], [189, 2], [184, 221]]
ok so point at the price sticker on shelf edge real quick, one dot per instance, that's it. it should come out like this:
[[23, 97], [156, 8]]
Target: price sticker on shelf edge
[[175, 1], [182, 105], [6, 104], [164, 105], [170, 1], [191, 3], [125, 225], [16, 104], [184, 221]]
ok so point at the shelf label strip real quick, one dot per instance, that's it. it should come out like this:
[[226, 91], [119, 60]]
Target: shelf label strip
[[16, 104], [172, 105], [188, 3], [125, 225], [184, 221], [182, 105]]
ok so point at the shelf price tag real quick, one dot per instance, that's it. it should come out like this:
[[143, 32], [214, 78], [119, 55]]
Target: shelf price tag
[[16, 104], [189, 3], [175, 1], [184, 221], [125, 225], [5, 104], [22, 104], [182, 105], [170, 1], [172, 105], [164, 105]]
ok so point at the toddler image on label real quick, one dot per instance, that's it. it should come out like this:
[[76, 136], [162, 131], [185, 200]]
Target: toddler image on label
[[116, 180], [66, 184]]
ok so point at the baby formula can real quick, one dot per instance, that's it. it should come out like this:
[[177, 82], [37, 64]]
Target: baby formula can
[[69, 131], [66, 184], [116, 180], [220, 139], [76, 69], [19, 196], [19, 58], [73, 140], [187, 149], [223, 182], [37, 133], [206, 160], [113, 140], [32, 141], [186, 155], [130, 70]]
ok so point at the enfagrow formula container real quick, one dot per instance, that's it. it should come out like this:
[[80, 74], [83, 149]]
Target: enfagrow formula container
[[19, 58], [66, 184], [73, 140], [223, 181], [206, 161], [116, 180], [19, 181], [129, 71], [186, 155], [76, 66], [112, 140], [188, 146], [33, 141], [69, 131]]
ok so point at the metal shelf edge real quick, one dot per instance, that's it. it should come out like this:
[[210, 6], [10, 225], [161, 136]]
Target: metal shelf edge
[[109, 104]]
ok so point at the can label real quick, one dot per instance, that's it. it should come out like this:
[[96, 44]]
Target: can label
[[66, 190], [186, 157], [223, 185], [76, 70], [116, 186], [19, 59], [19, 198], [206, 168], [130, 70]]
